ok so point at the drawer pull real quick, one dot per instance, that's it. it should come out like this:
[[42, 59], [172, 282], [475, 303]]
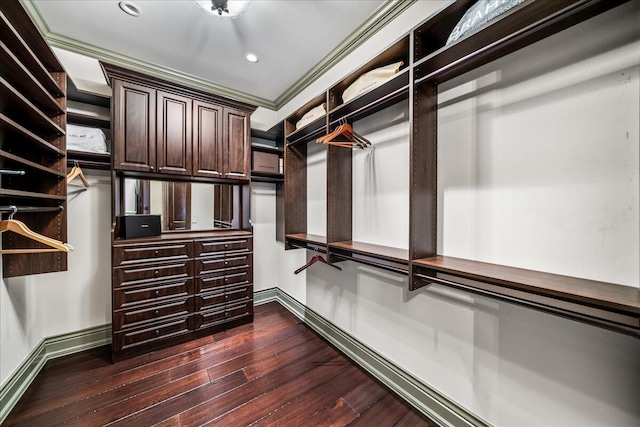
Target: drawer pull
[[226, 280], [226, 297], [157, 332], [156, 313], [156, 253], [156, 273], [226, 314], [157, 293], [226, 246], [226, 263]]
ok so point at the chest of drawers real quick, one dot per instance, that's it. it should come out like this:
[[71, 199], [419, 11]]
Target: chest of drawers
[[168, 291]]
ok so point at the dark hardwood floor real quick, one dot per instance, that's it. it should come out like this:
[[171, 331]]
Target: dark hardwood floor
[[273, 372]]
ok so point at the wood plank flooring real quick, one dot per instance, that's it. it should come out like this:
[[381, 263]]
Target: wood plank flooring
[[273, 372]]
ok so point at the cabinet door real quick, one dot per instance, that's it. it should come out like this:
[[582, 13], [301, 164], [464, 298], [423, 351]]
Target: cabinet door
[[236, 144], [207, 140], [174, 134], [134, 127]]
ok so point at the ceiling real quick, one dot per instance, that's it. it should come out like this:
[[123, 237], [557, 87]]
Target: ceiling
[[289, 37]]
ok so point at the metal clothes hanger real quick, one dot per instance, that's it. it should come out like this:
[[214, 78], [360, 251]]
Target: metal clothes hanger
[[77, 172], [313, 260], [20, 228]]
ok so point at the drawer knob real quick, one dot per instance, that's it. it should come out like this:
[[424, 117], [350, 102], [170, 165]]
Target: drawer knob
[[226, 314], [226, 280], [157, 293], [155, 273], [226, 263], [157, 332], [226, 297], [226, 246], [156, 253], [156, 313]]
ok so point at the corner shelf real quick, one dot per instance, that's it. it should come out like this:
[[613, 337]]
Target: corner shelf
[[604, 304]]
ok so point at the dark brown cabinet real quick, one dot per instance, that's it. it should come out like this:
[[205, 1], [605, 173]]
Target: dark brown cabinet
[[134, 110], [207, 135], [173, 138], [166, 291], [164, 128], [236, 145]]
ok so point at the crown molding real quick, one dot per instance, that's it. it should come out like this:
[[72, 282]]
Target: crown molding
[[383, 15]]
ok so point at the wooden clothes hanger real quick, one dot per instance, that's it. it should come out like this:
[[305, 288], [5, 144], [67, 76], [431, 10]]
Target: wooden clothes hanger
[[353, 139], [20, 228], [76, 172], [312, 261]]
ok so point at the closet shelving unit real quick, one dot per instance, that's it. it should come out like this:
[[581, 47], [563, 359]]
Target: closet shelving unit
[[295, 169], [276, 136], [32, 141], [87, 114], [431, 63]]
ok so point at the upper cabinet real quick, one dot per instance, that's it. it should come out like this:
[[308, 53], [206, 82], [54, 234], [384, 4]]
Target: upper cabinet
[[236, 144], [163, 128]]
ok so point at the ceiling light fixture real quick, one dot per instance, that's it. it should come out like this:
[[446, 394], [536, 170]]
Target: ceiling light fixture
[[253, 58], [223, 8], [130, 8]]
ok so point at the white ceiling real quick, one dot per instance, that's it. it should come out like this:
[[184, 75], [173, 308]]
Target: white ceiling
[[289, 36]]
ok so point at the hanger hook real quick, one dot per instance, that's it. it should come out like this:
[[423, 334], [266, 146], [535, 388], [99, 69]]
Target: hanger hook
[[14, 209]]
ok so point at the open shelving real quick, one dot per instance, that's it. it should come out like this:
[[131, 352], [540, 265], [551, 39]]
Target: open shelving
[[428, 63], [270, 142], [32, 142]]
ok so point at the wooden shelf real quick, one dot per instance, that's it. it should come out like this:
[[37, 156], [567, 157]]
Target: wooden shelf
[[520, 27], [21, 78], [101, 161], [18, 131], [309, 132], [23, 52], [606, 304], [306, 241], [385, 257], [267, 177], [389, 93], [267, 149], [18, 104], [24, 162], [88, 120], [6, 192]]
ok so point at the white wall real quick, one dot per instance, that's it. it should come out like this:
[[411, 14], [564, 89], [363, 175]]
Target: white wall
[[45, 305], [539, 167]]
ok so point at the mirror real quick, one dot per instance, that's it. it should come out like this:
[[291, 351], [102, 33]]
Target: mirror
[[184, 205]]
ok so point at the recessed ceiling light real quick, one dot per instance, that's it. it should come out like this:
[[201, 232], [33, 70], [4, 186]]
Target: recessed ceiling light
[[252, 58], [130, 8]]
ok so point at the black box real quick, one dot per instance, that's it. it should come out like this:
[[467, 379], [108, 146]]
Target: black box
[[140, 226]]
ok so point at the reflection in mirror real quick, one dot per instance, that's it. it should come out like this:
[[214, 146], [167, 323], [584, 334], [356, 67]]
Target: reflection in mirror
[[184, 205]]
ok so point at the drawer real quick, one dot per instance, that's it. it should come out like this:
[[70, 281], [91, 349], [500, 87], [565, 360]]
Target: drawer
[[139, 316], [180, 325], [152, 252], [210, 318], [237, 311], [213, 247], [226, 265], [134, 275], [151, 293], [237, 294], [210, 300], [222, 279]]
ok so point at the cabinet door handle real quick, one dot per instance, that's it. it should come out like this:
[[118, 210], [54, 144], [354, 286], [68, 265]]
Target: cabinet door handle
[[151, 168]]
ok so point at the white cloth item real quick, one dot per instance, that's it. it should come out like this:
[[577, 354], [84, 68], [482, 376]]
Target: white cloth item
[[84, 138], [312, 115], [369, 80]]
